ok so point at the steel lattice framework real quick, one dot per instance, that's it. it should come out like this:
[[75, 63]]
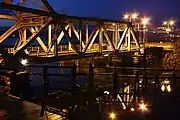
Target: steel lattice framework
[[84, 36]]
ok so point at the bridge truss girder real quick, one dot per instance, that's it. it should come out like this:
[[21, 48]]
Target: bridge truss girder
[[84, 35]]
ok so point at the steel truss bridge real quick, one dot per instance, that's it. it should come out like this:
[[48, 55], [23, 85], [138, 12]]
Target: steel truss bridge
[[84, 37]]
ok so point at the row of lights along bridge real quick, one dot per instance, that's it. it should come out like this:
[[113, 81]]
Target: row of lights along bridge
[[138, 21]]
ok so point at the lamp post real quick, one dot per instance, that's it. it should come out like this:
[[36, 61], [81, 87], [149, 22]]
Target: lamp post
[[145, 22], [169, 25], [130, 16], [134, 17]]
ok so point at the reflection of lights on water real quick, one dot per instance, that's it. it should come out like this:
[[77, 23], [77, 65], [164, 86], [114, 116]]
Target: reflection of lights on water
[[106, 54], [112, 115], [140, 81], [27, 52], [169, 88], [106, 92], [64, 110], [132, 109], [163, 88], [166, 86], [143, 107], [24, 61]]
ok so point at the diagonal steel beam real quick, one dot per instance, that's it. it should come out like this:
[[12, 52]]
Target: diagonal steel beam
[[61, 35], [107, 37], [39, 39], [90, 38], [10, 31], [8, 17], [77, 35], [32, 37], [122, 37], [90, 42], [47, 5], [69, 38], [8, 1], [134, 37], [28, 10]]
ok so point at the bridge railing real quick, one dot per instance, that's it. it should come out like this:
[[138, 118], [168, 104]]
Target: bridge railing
[[131, 84], [66, 50]]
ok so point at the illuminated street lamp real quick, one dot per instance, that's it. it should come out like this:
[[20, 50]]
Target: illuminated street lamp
[[165, 23], [171, 22], [106, 92], [130, 16], [145, 21], [126, 16], [169, 25], [134, 15]]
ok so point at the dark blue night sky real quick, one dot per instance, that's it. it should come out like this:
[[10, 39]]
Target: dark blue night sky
[[114, 9], [158, 10]]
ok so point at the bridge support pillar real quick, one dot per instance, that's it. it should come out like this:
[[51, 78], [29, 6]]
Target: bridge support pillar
[[136, 89], [45, 87], [73, 77], [91, 92], [156, 93], [115, 84]]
